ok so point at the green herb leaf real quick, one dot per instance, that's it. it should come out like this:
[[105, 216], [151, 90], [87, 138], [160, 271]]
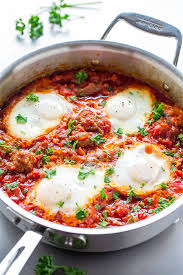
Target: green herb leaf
[[119, 153], [71, 126], [71, 161], [131, 194], [109, 88], [75, 144], [157, 112], [149, 201], [106, 179], [115, 195], [12, 186], [103, 103], [81, 76], [97, 206], [1, 172], [32, 97], [20, 119], [81, 214], [110, 170], [45, 159], [131, 220], [50, 173], [107, 154], [85, 173], [20, 26], [180, 136], [55, 17], [142, 131], [119, 132], [168, 153], [97, 139], [73, 97], [60, 203], [164, 186], [135, 208], [103, 223], [35, 27], [102, 194]]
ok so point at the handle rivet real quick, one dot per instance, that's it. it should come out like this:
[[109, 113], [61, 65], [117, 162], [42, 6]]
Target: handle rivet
[[166, 87], [16, 220]]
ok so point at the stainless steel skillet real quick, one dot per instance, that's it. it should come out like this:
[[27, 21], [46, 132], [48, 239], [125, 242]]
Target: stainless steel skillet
[[97, 54]]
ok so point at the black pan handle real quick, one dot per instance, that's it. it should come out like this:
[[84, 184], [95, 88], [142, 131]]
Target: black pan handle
[[150, 25]]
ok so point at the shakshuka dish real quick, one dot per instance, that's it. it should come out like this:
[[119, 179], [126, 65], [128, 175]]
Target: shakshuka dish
[[91, 149]]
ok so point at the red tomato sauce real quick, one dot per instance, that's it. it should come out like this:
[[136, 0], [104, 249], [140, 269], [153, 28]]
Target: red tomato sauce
[[22, 161]]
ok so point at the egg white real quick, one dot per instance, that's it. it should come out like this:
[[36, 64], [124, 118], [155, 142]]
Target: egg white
[[144, 172], [41, 115], [129, 108], [66, 187]]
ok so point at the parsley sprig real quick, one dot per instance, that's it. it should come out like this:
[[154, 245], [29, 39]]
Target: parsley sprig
[[56, 15], [46, 266]]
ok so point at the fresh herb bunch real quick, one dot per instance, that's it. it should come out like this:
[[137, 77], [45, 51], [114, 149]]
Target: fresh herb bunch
[[56, 15], [46, 266]]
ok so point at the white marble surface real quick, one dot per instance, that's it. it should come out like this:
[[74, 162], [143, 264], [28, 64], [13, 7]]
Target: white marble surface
[[163, 254]]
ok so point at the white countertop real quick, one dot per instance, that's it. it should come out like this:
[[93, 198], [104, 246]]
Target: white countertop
[[163, 254]]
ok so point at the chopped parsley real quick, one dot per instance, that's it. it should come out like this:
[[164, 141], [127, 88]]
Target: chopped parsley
[[164, 186], [103, 223], [50, 173], [35, 27], [163, 203], [131, 220], [1, 171], [32, 97], [168, 153], [75, 144], [97, 206], [45, 159], [71, 126], [73, 97], [142, 131], [135, 208], [71, 161], [115, 195], [102, 194], [180, 136], [60, 203], [81, 77], [97, 139], [119, 132], [105, 214], [149, 201], [107, 154], [163, 169], [8, 148], [49, 151], [172, 166], [26, 190], [109, 88], [143, 184], [131, 194], [21, 119], [85, 173], [131, 93], [119, 153], [110, 170], [106, 179], [103, 103], [157, 112], [12, 186], [20, 26], [81, 214]]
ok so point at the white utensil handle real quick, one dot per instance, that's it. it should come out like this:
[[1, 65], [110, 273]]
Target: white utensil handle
[[19, 254]]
